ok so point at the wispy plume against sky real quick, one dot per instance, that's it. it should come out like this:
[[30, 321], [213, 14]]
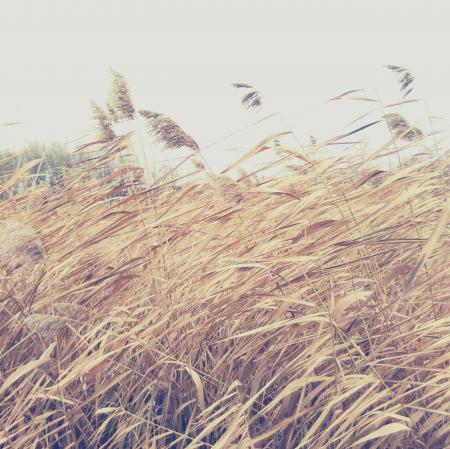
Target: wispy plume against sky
[[180, 58]]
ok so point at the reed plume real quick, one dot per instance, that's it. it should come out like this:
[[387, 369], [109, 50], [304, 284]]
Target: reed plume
[[103, 123], [120, 104], [112, 114], [405, 78], [48, 327], [251, 99], [401, 128], [166, 131], [71, 311], [19, 245]]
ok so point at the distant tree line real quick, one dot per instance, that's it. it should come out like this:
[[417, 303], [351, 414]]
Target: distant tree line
[[54, 158]]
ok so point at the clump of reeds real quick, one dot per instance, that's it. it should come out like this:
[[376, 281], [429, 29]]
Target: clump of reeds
[[308, 309]]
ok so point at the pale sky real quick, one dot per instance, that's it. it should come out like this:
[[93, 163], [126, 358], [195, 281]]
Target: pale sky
[[180, 57]]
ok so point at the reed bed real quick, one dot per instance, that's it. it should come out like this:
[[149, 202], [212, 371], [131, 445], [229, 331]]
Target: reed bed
[[306, 310]]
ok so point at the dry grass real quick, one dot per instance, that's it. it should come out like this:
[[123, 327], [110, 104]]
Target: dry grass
[[310, 310]]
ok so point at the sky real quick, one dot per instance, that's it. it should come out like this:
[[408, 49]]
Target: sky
[[180, 58]]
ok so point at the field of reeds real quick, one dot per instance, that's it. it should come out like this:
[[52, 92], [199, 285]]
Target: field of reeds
[[306, 309]]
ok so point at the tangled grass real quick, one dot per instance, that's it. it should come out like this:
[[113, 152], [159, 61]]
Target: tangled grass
[[309, 310]]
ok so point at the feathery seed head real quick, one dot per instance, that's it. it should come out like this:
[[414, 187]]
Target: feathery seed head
[[405, 78], [19, 245], [167, 131], [48, 327], [251, 99], [120, 104], [103, 123]]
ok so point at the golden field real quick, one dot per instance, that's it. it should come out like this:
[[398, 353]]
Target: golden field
[[306, 309]]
